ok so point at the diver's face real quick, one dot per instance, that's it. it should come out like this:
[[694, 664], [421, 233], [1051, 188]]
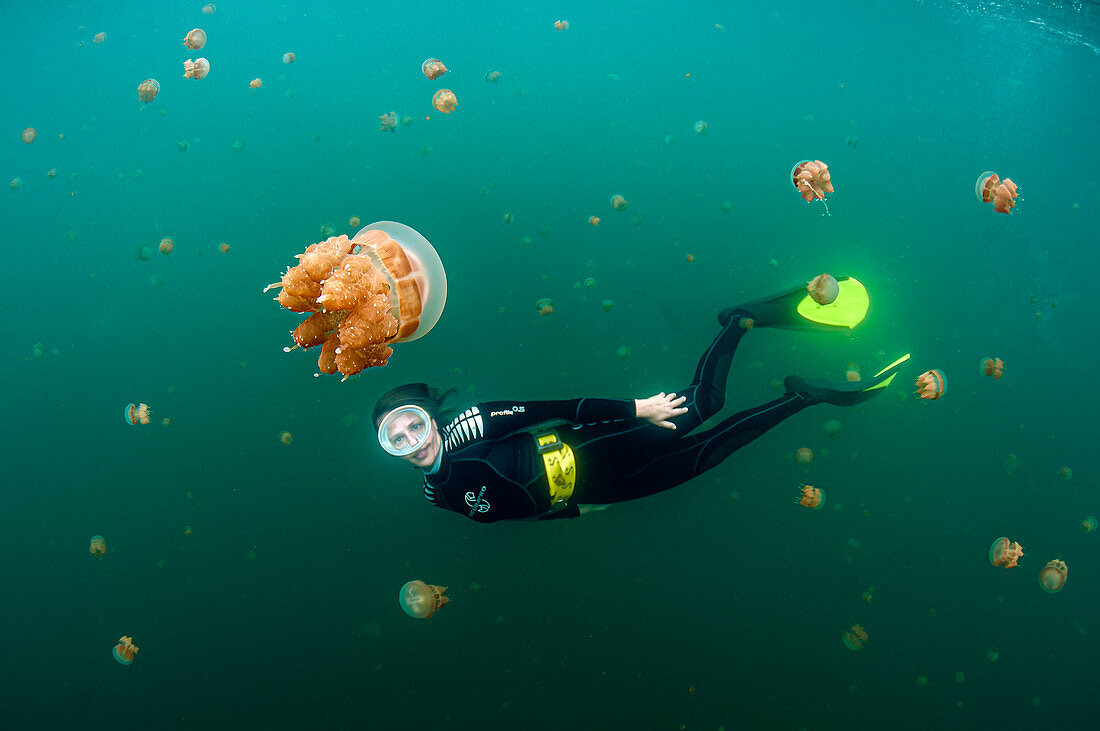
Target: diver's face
[[408, 429]]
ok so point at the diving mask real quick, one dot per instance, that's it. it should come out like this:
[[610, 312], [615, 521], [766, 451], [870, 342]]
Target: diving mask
[[405, 430]]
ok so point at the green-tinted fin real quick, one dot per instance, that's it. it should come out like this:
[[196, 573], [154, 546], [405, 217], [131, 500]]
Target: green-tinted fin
[[847, 310], [895, 364]]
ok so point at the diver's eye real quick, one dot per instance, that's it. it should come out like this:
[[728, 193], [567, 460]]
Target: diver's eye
[[417, 427], [398, 440]]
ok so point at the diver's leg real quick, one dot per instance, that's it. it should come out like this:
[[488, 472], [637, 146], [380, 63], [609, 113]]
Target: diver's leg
[[707, 392]]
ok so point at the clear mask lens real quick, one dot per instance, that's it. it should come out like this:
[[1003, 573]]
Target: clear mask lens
[[405, 430]]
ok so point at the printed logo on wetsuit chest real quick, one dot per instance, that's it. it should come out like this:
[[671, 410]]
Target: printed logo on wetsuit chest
[[477, 503], [507, 412]]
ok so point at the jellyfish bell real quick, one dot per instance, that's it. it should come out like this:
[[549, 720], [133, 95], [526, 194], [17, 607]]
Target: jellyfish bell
[[445, 101], [492, 76], [208, 9], [29, 135], [811, 497], [166, 245], [289, 57], [989, 188], [619, 203], [804, 455], [931, 384], [992, 367], [99, 38], [811, 178], [594, 220], [97, 547], [420, 600], [1005, 553], [1088, 525], [561, 25], [196, 69], [433, 68], [125, 650], [833, 427], [148, 90], [545, 306], [854, 638], [256, 83], [823, 289], [701, 127], [195, 39], [1053, 576], [389, 122], [135, 414], [851, 372]]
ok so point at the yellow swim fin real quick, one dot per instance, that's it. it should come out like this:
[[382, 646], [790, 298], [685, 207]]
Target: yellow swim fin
[[794, 309]]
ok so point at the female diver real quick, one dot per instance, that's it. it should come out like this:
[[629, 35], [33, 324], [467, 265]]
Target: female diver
[[548, 459]]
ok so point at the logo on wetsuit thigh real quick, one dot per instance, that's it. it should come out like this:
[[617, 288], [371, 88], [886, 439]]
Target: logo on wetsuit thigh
[[477, 504], [507, 412]]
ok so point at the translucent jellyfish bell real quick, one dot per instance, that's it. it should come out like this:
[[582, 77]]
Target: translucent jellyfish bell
[[420, 600], [418, 290]]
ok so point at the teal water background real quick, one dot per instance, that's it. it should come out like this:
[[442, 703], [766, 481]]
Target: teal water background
[[719, 603]]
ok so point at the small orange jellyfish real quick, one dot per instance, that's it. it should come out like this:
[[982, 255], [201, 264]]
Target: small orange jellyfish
[[223, 247], [851, 372], [492, 76], [286, 437], [125, 650], [16, 183], [701, 127], [545, 306], [619, 203], [812, 180], [256, 83], [389, 122], [854, 638], [98, 546], [99, 38], [991, 189], [166, 246], [433, 68], [148, 90], [420, 600], [1088, 525], [136, 414], [561, 25], [208, 9], [594, 220], [29, 135], [1005, 553], [289, 57], [444, 100], [812, 497], [993, 367], [354, 221], [804, 455], [51, 173], [188, 530], [1053, 576], [823, 289], [931, 384], [690, 258], [195, 39], [197, 69]]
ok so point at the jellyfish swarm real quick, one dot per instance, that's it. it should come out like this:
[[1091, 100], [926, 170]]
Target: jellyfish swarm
[[931, 384], [854, 638], [197, 69], [993, 367], [1053, 576], [991, 189], [195, 39], [97, 547], [1005, 553], [812, 497], [135, 414], [433, 68], [445, 101], [386, 285], [148, 90], [125, 650], [823, 289], [420, 600], [812, 180]]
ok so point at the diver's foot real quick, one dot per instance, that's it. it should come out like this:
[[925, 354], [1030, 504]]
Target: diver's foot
[[794, 309], [844, 393]]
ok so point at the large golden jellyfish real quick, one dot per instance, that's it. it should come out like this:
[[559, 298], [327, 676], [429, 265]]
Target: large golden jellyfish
[[812, 180], [931, 384], [1005, 553], [993, 367], [195, 39], [991, 189], [433, 68], [854, 638], [823, 289], [1053, 576], [420, 600], [812, 497], [445, 101], [135, 414], [97, 547], [197, 69], [385, 285], [125, 650], [148, 90]]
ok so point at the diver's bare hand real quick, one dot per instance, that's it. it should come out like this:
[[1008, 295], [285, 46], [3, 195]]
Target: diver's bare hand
[[659, 409]]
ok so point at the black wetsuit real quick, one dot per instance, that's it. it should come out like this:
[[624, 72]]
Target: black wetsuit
[[490, 470]]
